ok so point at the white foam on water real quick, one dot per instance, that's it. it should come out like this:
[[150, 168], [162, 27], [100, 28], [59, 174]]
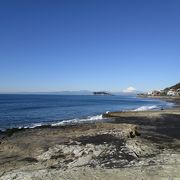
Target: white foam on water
[[36, 125], [76, 120], [64, 122], [146, 108], [32, 126], [170, 104]]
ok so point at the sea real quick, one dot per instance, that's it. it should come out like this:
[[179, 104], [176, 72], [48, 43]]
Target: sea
[[30, 111]]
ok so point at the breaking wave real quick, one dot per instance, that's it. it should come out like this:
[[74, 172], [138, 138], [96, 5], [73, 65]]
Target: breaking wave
[[77, 120], [66, 122], [146, 108], [155, 107]]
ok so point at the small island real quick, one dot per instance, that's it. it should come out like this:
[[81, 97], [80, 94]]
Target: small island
[[102, 93]]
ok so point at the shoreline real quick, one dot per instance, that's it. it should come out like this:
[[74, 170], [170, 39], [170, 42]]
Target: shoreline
[[134, 144], [175, 101]]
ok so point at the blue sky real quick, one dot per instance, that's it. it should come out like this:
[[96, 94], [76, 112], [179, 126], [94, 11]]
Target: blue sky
[[89, 44]]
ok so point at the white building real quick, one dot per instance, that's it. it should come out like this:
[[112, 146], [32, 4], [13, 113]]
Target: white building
[[171, 92]]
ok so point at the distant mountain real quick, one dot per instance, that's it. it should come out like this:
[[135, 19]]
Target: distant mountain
[[81, 92]]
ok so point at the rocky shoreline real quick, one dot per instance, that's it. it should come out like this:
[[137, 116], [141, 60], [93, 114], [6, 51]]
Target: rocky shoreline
[[133, 145]]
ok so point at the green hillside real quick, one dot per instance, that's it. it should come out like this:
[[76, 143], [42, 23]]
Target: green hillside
[[175, 87]]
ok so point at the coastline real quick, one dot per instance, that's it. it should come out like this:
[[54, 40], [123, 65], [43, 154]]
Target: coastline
[[174, 99], [133, 145], [95, 118]]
